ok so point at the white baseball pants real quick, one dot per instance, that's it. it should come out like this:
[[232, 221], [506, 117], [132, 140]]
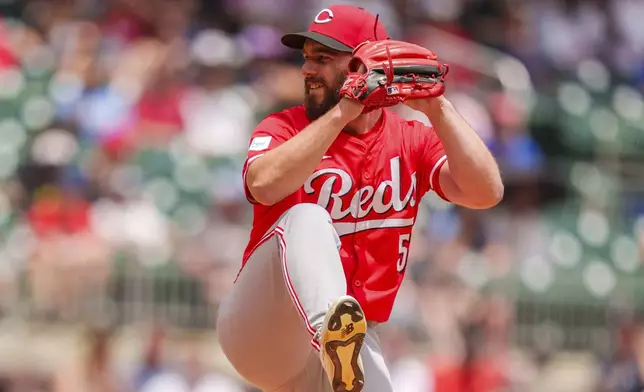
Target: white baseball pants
[[266, 322]]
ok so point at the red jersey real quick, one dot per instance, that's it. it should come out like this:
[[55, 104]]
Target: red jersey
[[371, 185]]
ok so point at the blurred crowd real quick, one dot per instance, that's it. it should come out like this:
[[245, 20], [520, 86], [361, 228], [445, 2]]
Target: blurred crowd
[[124, 124]]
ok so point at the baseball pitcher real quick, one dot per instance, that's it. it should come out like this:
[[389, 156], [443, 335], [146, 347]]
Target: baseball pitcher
[[335, 185]]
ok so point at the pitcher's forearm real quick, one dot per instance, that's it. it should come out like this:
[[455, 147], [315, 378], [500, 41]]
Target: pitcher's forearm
[[474, 179], [282, 171]]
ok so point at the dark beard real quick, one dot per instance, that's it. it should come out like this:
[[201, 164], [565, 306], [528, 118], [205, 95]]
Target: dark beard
[[331, 98]]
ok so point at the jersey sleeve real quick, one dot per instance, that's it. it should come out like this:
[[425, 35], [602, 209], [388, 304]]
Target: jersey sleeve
[[430, 155], [269, 133]]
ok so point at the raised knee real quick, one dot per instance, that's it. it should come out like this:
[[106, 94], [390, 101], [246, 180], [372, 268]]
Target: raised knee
[[308, 214], [309, 211], [311, 218]]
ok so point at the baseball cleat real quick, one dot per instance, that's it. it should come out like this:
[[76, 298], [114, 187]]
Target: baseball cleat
[[341, 339]]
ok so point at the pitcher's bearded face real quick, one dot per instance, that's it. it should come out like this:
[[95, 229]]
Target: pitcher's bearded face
[[321, 95], [325, 71]]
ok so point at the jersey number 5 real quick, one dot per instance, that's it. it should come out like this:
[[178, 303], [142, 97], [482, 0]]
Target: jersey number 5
[[403, 250]]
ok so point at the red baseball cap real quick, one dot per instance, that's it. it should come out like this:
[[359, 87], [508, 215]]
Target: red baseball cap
[[341, 28]]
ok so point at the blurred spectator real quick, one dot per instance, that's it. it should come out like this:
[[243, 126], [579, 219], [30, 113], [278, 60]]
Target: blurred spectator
[[69, 263], [218, 111], [95, 371], [623, 371], [7, 56], [192, 377], [483, 364], [402, 346], [153, 358]]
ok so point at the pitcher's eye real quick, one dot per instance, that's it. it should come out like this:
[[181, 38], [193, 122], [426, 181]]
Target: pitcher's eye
[[323, 59]]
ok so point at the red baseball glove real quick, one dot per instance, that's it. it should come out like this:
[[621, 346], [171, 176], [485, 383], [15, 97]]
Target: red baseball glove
[[385, 73]]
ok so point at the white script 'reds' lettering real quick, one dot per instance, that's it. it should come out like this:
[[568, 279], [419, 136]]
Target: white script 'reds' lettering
[[364, 199]]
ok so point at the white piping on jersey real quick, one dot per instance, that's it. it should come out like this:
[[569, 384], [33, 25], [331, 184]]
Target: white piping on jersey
[[344, 228], [436, 166], [248, 162], [245, 171], [253, 158]]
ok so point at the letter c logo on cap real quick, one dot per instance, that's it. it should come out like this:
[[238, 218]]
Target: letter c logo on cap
[[327, 18]]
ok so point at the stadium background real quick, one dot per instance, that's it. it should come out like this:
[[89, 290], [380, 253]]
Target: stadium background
[[123, 125]]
